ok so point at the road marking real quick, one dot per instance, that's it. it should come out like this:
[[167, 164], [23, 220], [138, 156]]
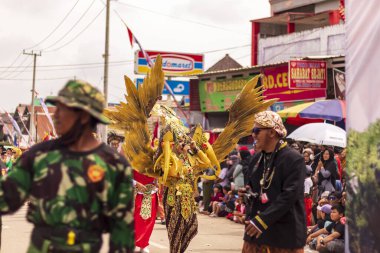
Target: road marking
[[157, 245]]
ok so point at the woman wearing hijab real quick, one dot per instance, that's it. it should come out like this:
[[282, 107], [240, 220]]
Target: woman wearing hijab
[[326, 172]]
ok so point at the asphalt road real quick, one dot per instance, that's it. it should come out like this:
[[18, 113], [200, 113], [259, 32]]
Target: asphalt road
[[214, 235]]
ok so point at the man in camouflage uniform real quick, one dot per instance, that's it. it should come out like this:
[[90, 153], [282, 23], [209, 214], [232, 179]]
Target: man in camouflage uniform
[[78, 187]]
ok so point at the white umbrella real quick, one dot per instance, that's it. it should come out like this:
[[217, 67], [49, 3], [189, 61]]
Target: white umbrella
[[320, 133]]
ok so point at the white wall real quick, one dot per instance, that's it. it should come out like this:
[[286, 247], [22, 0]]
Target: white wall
[[321, 41]]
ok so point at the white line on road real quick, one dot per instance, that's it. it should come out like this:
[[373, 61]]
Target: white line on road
[[157, 245]]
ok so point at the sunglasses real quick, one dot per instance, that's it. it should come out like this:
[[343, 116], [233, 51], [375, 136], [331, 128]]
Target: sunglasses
[[332, 198], [256, 130]]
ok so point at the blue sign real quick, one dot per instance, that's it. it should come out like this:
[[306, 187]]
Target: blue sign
[[277, 106], [178, 87]]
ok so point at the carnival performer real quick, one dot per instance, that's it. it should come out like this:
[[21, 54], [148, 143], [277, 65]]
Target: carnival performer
[[182, 155], [114, 140], [78, 187]]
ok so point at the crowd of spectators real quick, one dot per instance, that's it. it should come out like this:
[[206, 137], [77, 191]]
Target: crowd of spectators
[[325, 196], [324, 193]]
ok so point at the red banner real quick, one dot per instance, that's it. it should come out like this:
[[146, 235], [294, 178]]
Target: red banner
[[307, 74], [275, 83]]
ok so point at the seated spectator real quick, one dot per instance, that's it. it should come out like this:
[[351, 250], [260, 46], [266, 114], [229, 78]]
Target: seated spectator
[[216, 197], [296, 146], [335, 198], [238, 174], [221, 207], [326, 172], [239, 213], [230, 205], [331, 238], [318, 201], [308, 156], [323, 219]]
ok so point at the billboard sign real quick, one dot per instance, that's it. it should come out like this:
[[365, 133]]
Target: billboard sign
[[173, 64], [217, 96], [275, 84], [307, 74], [181, 88]]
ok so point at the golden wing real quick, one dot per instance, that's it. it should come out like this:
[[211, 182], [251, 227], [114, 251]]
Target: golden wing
[[241, 117], [131, 117]]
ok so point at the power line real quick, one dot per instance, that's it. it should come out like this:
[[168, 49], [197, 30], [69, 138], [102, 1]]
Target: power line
[[85, 67], [79, 64], [55, 29], [20, 72], [75, 24], [38, 79], [179, 18], [243, 56], [116, 62], [18, 67], [14, 61], [76, 36], [224, 49]]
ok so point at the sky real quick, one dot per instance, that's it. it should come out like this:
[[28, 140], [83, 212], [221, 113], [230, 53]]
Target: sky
[[70, 34]]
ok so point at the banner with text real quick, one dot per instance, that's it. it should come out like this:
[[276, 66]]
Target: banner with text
[[275, 83], [173, 64], [307, 74], [217, 96]]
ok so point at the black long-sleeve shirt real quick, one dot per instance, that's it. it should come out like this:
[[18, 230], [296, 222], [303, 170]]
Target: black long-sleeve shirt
[[282, 219]]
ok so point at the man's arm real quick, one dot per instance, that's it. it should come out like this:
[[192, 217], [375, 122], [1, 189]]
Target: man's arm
[[316, 234], [121, 212], [331, 237], [14, 188]]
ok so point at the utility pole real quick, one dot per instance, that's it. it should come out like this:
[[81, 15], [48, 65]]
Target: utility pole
[[105, 89], [31, 125]]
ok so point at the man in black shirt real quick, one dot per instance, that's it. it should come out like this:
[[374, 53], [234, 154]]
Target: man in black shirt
[[331, 238], [275, 219]]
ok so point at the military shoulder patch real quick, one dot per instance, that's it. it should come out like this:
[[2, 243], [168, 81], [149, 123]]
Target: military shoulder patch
[[95, 173]]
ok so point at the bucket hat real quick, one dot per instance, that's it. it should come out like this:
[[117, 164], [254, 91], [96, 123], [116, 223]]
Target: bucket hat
[[82, 95]]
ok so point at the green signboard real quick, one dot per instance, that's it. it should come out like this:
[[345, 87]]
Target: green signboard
[[218, 95]]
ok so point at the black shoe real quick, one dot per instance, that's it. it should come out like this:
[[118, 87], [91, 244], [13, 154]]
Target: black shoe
[[163, 222]]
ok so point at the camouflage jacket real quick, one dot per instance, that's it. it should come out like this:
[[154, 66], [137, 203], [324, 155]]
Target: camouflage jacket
[[83, 190]]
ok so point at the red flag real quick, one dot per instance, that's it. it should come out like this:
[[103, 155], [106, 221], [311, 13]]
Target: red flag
[[132, 38]]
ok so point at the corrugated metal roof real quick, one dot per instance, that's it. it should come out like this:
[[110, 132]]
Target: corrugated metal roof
[[242, 69]]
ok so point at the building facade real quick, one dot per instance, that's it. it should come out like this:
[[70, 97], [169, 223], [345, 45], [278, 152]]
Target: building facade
[[305, 31]]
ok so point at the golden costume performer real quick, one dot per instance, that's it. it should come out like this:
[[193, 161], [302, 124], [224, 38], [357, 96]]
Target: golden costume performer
[[182, 155]]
